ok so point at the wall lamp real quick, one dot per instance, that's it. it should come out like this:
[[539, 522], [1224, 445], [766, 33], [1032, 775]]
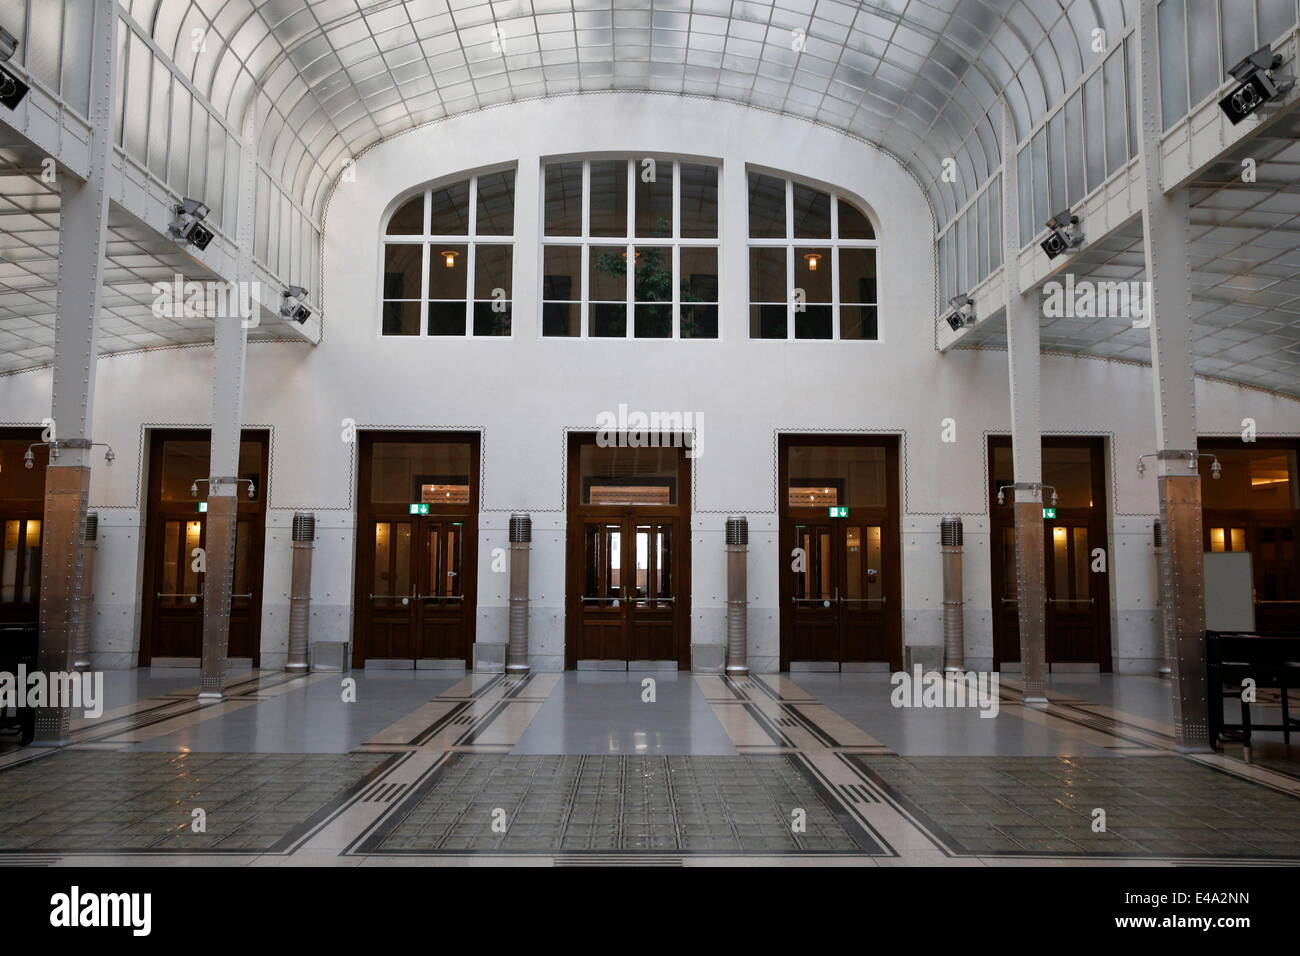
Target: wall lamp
[[1002, 497], [188, 224], [1193, 457], [194, 488], [29, 460]]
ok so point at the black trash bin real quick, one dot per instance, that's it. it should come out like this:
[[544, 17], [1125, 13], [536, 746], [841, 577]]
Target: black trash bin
[[18, 646]]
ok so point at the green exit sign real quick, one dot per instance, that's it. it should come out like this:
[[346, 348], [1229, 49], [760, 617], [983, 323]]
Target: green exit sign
[[203, 507], [418, 508], [835, 511], [1049, 513]]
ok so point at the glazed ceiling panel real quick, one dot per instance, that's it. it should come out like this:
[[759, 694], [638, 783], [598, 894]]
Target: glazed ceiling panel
[[918, 77]]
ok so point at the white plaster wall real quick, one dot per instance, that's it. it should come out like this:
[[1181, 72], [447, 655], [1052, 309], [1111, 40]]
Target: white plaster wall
[[524, 391]]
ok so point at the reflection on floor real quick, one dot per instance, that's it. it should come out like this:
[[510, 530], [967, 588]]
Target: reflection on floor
[[383, 767]]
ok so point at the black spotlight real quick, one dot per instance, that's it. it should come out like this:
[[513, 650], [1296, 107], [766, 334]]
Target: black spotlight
[[188, 225], [293, 309], [12, 89], [963, 312], [1256, 85], [1062, 236]]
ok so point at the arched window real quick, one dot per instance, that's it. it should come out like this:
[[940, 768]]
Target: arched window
[[812, 263], [448, 259], [658, 214]]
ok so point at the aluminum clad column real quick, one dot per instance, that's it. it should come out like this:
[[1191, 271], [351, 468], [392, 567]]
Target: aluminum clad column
[[954, 602], [737, 600], [521, 537], [304, 538]]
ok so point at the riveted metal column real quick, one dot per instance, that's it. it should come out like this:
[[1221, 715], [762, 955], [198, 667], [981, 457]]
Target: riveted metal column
[[1164, 668], [1166, 229], [1024, 360], [304, 538], [83, 223], [521, 537], [230, 335], [954, 602], [89, 544], [737, 600]]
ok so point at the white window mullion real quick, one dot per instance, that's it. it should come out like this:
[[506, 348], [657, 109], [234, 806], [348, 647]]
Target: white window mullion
[[630, 250], [675, 279], [424, 284], [584, 230]]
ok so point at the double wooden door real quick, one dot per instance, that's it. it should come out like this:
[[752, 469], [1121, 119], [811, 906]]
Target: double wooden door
[[420, 604], [837, 588], [629, 571]]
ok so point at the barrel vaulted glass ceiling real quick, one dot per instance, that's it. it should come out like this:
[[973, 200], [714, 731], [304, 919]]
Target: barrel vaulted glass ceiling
[[333, 76]]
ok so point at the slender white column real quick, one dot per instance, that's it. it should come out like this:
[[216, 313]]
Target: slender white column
[[83, 226], [1165, 229]]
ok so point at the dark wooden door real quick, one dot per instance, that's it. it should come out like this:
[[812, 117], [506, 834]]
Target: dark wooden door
[[840, 585], [628, 580], [22, 506], [415, 595], [1071, 627], [176, 528]]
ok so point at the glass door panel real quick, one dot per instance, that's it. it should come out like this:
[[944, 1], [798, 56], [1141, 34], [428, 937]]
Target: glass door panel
[[604, 556]]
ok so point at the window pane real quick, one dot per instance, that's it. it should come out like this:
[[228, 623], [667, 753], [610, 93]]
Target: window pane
[[846, 475], [812, 213], [858, 275], [654, 322], [1173, 62], [699, 322], [1069, 470], [562, 319], [699, 201], [1203, 52], [562, 273], [628, 475], [858, 322], [767, 279], [812, 273], [766, 207], [813, 323], [768, 322], [1094, 133], [699, 281], [492, 271], [608, 321], [448, 266], [1116, 117], [402, 265], [492, 318], [853, 224], [607, 278], [449, 210], [652, 279], [1259, 478], [447, 318], [609, 198], [401, 318], [654, 201], [408, 220], [405, 472], [564, 199], [496, 204]]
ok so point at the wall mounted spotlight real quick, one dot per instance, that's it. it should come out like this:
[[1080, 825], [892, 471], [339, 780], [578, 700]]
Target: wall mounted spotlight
[[291, 306], [188, 224], [8, 45], [963, 312], [1256, 85], [1063, 234]]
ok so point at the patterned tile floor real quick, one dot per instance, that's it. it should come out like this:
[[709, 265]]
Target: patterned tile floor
[[84, 800], [1155, 806], [621, 803]]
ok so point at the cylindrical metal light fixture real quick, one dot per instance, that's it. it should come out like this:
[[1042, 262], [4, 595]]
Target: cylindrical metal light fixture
[[521, 538], [737, 603], [86, 608], [1165, 668], [304, 538], [954, 627]]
